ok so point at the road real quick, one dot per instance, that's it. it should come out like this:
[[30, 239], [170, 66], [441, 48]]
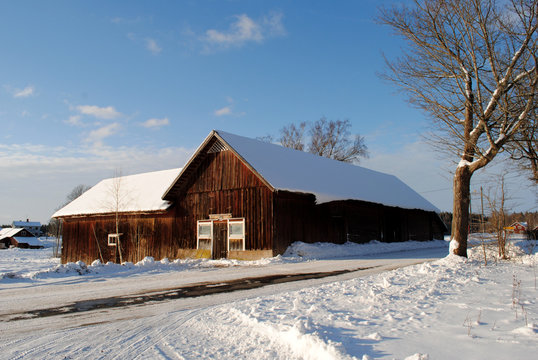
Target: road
[[82, 301]]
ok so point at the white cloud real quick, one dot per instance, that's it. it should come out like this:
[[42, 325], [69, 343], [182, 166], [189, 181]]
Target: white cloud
[[26, 92], [60, 169], [227, 110], [245, 29], [74, 120], [152, 46], [155, 123], [108, 112], [97, 136]]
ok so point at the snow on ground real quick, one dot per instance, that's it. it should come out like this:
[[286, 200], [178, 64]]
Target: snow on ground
[[445, 309], [21, 264], [16, 261]]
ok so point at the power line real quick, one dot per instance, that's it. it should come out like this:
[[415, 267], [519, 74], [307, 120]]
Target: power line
[[429, 191]]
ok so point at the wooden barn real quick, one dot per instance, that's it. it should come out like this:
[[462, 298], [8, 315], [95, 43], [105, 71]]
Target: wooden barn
[[242, 198], [18, 237]]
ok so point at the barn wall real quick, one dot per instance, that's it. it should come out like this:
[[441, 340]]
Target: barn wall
[[222, 184], [86, 238], [298, 218]]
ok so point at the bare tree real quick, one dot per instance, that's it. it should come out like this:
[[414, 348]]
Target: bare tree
[[117, 204], [471, 66], [77, 191], [497, 200], [328, 138], [292, 136], [524, 147], [332, 139], [55, 225], [54, 229]]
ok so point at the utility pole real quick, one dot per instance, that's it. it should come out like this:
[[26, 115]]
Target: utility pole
[[482, 203]]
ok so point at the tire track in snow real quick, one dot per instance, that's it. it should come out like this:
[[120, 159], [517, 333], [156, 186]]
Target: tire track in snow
[[140, 347]]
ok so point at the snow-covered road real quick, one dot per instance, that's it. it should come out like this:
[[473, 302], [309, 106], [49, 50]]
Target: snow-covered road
[[441, 309], [62, 303]]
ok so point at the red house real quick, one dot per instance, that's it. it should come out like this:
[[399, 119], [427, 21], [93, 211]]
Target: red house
[[241, 198], [519, 227]]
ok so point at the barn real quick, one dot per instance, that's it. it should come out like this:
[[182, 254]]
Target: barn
[[245, 199], [18, 237]]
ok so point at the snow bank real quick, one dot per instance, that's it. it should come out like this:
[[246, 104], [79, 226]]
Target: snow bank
[[297, 252], [350, 249]]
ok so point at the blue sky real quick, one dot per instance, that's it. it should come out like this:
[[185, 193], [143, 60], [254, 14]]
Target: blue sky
[[89, 87]]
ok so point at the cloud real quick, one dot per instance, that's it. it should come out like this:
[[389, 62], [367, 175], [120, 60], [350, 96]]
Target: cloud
[[60, 169], [155, 123], [152, 46], [26, 92], [74, 120], [107, 113], [227, 110], [244, 30], [97, 136]]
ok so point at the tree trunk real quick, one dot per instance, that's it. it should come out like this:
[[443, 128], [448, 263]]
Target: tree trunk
[[460, 219]]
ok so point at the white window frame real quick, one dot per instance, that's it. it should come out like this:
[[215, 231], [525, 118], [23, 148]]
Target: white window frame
[[210, 237], [113, 239], [235, 237]]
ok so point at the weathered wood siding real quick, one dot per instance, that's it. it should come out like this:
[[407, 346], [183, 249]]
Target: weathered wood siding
[[298, 218], [142, 235], [222, 184]]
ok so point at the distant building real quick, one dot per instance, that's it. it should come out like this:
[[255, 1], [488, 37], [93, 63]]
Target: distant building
[[519, 227], [18, 237], [32, 226]]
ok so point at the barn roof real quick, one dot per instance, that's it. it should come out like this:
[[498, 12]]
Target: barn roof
[[292, 170], [26, 223], [9, 232], [137, 193]]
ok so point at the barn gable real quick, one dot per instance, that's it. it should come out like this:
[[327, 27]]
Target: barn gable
[[213, 144]]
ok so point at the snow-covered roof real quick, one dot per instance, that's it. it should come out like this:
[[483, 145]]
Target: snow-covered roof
[[9, 232], [136, 193], [26, 224], [329, 180], [30, 240]]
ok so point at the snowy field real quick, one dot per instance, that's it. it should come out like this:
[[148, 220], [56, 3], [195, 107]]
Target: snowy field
[[443, 309]]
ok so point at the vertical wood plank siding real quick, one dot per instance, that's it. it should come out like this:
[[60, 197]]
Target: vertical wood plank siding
[[221, 184], [298, 218]]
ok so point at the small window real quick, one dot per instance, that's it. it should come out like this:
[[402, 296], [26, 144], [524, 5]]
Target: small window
[[236, 235], [113, 239], [204, 235]]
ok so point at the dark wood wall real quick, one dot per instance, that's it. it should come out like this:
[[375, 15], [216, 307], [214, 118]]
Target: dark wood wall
[[298, 218], [142, 235], [220, 183], [223, 184]]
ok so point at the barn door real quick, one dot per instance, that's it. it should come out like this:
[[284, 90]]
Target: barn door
[[220, 238]]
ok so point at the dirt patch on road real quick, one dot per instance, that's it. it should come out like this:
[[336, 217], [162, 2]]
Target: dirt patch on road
[[194, 290]]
